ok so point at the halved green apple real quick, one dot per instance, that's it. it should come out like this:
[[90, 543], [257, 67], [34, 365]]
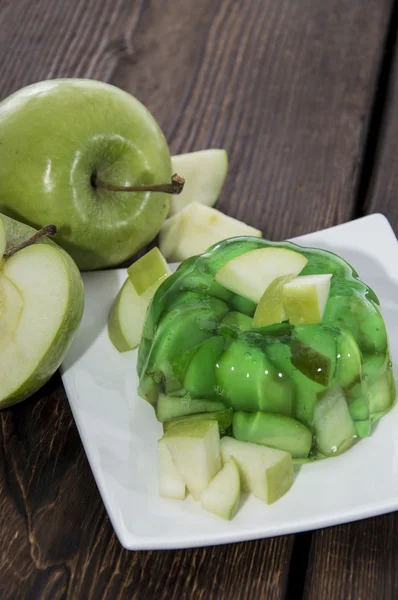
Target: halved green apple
[[222, 495], [305, 298], [204, 173], [251, 273], [41, 304], [127, 316], [197, 227]]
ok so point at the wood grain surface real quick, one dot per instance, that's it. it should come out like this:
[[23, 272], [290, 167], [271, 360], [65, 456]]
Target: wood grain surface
[[360, 560], [287, 88]]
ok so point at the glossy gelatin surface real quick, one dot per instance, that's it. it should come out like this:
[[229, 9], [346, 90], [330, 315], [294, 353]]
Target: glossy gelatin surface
[[313, 390]]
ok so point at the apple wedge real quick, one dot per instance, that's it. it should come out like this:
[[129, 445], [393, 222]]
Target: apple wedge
[[197, 227], [41, 300], [334, 427], [170, 482], [222, 495], [265, 472], [127, 315], [204, 173], [195, 450], [270, 309], [251, 273], [305, 298]]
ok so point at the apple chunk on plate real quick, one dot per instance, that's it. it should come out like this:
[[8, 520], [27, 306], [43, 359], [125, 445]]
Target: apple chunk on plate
[[128, 312], [41, 304], [251, 273], [197, 227], [204, 173]]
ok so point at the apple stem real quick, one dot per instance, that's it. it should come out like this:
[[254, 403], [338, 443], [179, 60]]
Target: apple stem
[[174, 187], [48, 230]]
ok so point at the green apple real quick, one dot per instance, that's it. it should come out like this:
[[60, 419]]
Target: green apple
[[127, 315], [265, 472], [61, 143], [195, 450], [251, 273], [204, 173], [41, 305], [170, 482], [270, 309], [305, 298], [222, 495], [197, 227]]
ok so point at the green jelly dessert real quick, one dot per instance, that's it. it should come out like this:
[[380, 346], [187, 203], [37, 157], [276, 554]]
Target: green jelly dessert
[[285, 341]]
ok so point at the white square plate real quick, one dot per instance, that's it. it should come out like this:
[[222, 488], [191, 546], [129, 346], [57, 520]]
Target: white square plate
[[119, 430]]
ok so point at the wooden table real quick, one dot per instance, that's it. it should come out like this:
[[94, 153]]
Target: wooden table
[[304, 96]]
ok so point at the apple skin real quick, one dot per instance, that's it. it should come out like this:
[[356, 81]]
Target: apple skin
[[50, 362], [54, 136]]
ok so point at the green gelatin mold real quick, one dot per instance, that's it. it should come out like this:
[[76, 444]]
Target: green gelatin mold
[[313, 389]]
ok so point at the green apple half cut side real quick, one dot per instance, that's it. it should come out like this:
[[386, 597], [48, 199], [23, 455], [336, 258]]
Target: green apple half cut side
[[42, 305], [204, 173], [197, 227], [251, 273], [57, 140]]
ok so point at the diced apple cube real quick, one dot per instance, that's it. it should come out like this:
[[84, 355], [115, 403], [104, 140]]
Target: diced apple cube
[[222, 495], [265, 472], [197, 227], [171, 484], [195, 450]]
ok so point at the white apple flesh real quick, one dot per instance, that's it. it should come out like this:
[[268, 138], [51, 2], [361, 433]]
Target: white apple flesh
[[204, 173], [197, 227], [251, 273], [3, 240]]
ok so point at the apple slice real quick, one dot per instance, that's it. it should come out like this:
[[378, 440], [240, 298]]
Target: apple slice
[[251, 273], [197, 227], [170, 482], [222, 495], [127, 316], [270, 309], [204, 173], [265, 472], [305, 298], [195, 450], [149, 270], [3, 240]]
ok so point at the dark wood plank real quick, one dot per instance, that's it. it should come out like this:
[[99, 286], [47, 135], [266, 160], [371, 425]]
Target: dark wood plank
[[286, 88], [382, 193], [358, 561]]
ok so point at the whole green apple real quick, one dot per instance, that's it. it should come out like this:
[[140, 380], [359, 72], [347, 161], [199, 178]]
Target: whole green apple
[[41, 305], [62, 143]]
